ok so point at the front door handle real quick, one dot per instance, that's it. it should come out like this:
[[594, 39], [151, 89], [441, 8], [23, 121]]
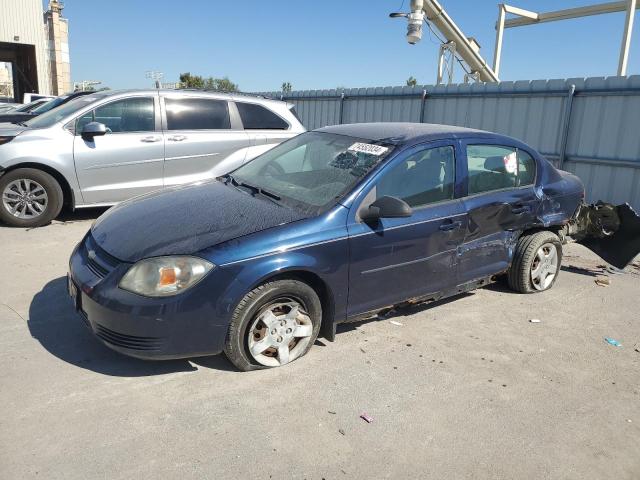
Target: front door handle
[[150, 139], [449, 225], [177, 138]]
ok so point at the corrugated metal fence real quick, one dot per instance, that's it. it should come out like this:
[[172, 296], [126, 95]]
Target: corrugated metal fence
[[590, 127]]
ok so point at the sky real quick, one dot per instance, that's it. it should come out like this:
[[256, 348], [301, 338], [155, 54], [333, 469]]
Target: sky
[[322, 44]]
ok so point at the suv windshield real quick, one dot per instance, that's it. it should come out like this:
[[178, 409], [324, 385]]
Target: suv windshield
[[312, 171], [56, 114]]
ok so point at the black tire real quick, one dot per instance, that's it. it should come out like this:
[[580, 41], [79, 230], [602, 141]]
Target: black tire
[[236, 346], [519, 274], [55, 198]]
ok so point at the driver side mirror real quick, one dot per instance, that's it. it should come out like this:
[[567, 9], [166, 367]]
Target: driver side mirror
[[93, 129], [386, 207]]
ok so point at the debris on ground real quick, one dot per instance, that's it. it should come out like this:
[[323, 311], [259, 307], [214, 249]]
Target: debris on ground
[[613, 342], [603, 281], [366, 417], [393, 322], [637, 347], [331, 412], [534, 320], [362, 350], [341, 431]]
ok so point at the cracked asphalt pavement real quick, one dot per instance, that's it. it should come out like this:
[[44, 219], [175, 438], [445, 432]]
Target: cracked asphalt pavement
[[466, 388]]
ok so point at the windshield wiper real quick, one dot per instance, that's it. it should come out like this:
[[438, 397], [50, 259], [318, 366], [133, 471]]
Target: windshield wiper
[[254, 188], [22, 124]]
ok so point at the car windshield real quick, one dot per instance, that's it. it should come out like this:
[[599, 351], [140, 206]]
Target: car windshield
[[312, 171], [49, 105], [28, 107], [56, 114]]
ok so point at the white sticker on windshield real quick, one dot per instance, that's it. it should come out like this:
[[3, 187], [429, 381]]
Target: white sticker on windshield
[[376, 150]]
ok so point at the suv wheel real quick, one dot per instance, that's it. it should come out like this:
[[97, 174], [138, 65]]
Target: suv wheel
[[273, 325], [29, 198], [536, 262]]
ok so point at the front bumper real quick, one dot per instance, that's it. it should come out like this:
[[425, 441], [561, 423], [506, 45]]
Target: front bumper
[[183, 326]]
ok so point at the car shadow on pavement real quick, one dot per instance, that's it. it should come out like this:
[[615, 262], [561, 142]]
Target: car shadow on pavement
[[68, 216], [61, 331]]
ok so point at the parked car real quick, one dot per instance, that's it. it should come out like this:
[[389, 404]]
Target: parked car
[[28, 107], [22, 115], [30, 97], [103, 148], [8, 106], [332, 226]]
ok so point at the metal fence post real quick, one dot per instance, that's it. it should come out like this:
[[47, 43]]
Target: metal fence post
[[566, 126], [422, 105], [341, 108]]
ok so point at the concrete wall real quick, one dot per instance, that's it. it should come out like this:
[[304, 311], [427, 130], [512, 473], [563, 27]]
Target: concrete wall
[[594, 132], [23, 18]]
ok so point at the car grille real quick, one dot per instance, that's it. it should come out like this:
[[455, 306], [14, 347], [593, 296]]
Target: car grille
[[128, 341], [98, 261]]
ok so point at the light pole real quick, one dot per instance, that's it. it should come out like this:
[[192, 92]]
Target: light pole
[[155, 76]]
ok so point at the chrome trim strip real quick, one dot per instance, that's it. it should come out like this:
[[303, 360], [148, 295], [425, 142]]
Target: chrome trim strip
[[193, 156], [124, 164]]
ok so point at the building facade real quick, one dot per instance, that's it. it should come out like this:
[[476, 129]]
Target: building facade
[[36, 44]]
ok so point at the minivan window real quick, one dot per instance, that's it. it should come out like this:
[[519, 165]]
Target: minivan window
[[494, 167], [257, 117], [425, 177], [52, 117], [134, 114], [197, 114]]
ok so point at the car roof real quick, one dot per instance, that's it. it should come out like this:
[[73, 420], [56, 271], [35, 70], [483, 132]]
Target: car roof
[[194, 92], [402, 133]]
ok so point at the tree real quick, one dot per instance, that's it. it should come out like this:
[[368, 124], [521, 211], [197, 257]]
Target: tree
[[286, 87], [210, 83], [411, 82], [191, 81]]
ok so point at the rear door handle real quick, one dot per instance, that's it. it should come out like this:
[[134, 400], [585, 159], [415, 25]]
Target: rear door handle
[[177, 138], [450, 225], [150, 139]]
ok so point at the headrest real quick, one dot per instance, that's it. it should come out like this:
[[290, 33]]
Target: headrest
[[495, 164]]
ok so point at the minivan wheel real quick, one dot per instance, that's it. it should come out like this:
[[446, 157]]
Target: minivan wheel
[[536, 262], [274, 324], [29, 198]]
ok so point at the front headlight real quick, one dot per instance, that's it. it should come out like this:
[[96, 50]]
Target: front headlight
[[4, 140], [164, 276]]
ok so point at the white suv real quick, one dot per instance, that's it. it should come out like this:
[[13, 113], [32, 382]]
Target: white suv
[[103, 148]]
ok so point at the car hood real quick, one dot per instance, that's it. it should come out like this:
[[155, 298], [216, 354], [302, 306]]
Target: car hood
[[10, 129], [184, 220]]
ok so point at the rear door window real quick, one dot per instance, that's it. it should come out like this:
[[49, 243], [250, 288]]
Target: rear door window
[[257, 117], [197, 114], [495, 167]]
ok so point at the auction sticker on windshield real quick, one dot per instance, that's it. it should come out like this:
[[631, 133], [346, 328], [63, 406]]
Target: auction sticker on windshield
[[376, 150]]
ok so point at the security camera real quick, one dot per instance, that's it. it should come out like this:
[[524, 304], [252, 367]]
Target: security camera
[[414, 27]]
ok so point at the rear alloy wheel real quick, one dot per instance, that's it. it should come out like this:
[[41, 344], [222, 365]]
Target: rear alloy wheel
[[273, 325], [29, 198], [536, 262]]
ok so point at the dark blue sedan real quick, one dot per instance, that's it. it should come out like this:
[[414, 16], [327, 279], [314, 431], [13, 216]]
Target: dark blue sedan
[[332, 226]]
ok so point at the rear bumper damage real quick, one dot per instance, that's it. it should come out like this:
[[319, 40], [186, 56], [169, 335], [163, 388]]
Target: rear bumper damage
[[610, 231]]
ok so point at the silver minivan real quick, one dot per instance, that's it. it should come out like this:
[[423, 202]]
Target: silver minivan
[[103, 148]]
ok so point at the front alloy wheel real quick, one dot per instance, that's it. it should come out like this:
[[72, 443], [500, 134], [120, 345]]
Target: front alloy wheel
[[280, 333], [274, 324], [536, 262], [29, 198]]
